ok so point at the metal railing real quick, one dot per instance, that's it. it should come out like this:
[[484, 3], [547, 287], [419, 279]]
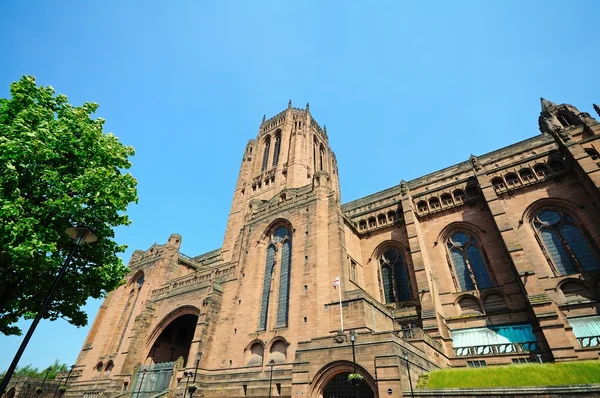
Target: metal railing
[[494, 349], [588, 342]]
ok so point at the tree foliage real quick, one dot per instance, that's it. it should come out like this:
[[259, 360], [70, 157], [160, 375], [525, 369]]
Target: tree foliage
[[35, 373], [57, 169]]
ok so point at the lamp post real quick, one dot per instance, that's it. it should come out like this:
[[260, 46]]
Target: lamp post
[[187, 376], [353, 340], [271, 364], [141, 382], [193, 387], [79, 235], [66, 381], [412, 394], [39, 391]]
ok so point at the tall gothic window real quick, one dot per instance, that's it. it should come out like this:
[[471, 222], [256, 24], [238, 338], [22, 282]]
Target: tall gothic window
[[321, 156], [394, 276], [564, 243], [277, 148], [265, 161], [281, 245], [467, 259]]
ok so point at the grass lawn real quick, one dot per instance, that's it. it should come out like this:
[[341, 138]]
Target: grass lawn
[[583, 372]]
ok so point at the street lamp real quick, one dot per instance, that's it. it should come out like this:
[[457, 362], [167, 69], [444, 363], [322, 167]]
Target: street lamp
[[39, 390], [193, 387], [141, 382], [271, 364], [412, 394], [66, 381], [187, 376], [79, 235], [352, 340]]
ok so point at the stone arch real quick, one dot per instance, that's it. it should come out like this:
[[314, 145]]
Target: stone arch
[[189, 313], [560, 204], [277, 349], [574, 290], [137, 278], [255, 352], [494, 301], [469, 304], [332, 369], [274, 224], [447, 231]]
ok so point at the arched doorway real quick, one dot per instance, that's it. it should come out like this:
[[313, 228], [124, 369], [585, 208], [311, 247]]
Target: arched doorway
[[332, 382], [175, 340], [340, 387]]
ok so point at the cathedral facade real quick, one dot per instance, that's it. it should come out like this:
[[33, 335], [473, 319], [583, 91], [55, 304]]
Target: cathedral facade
[[494, 260]]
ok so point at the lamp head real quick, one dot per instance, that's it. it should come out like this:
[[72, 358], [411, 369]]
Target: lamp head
[[272, 362], [83, 234], [352, 336], [198, 356]]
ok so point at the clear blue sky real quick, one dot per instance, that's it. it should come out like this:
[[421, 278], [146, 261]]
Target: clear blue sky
[[405, 88]]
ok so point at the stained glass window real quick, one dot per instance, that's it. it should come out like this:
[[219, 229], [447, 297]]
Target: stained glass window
[[280, 243], [265, 161], [276, 149], [394, 275], [469, 266], [264, 309], [564, 243]]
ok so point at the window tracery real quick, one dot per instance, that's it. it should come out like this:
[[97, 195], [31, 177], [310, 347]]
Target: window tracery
[[280, 245], [394, 276], [467, 258], [563, 242]]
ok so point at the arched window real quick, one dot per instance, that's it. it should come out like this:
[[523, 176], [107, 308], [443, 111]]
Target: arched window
[[372, 222], [255, 355], [265, 161], [469, 305], [447, 199], [526, 175], [422, 206], [564, 243], [394, 276], [563, 119], [277, 148], [381, 219], [498, 183], [434, 203], [391, 216], [362, 225], [459, 196], [467, 259], [321, 156], [512, 179], [278, 352], [281, 242], [109, 367], [541, 170]]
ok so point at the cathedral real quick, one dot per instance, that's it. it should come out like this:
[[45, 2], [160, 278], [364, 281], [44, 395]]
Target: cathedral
[[491, 261]]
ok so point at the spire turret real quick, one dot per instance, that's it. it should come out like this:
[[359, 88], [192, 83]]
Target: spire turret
[[546, 105], [290, 104], [597, 109]]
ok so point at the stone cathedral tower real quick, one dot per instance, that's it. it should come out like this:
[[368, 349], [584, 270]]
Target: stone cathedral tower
[[494, 260]]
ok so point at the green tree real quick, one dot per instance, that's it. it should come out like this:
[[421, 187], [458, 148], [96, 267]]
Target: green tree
[[35, 373], [57, 169]]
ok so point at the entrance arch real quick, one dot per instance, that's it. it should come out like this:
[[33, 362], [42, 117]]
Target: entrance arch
[[332, 382], [173, 336]]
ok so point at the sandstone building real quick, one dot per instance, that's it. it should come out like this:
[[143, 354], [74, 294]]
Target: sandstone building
[[493, 260]]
